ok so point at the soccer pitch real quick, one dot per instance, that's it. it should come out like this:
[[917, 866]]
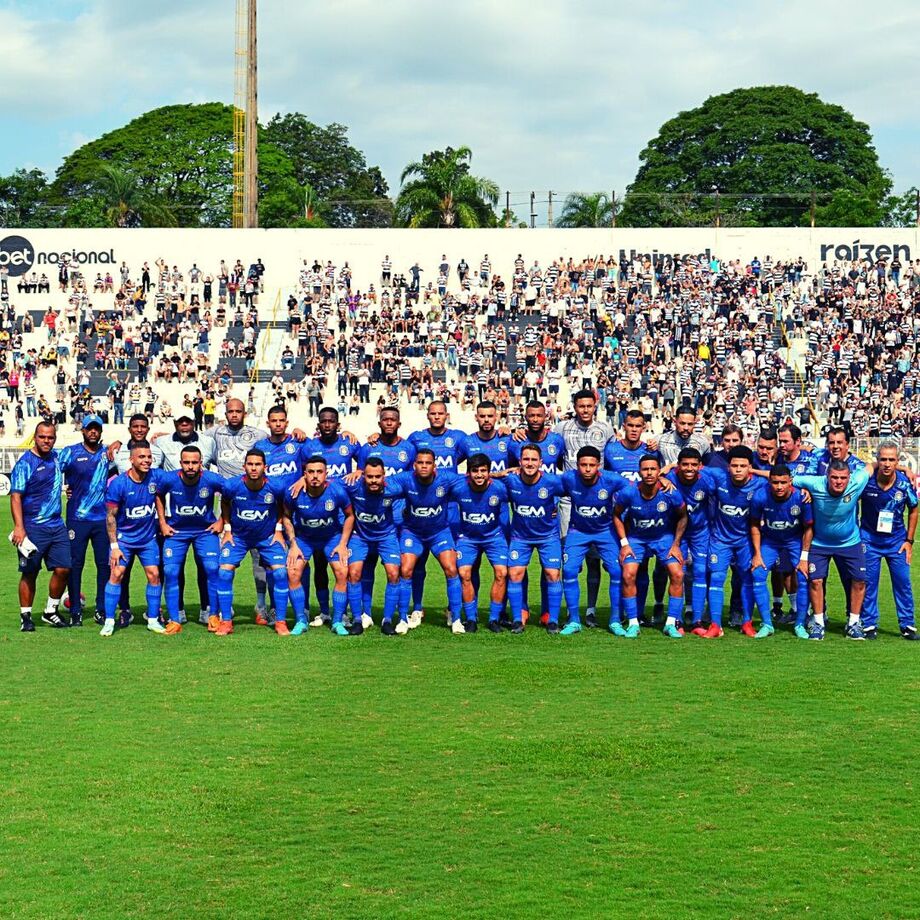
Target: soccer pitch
[[435, 775]]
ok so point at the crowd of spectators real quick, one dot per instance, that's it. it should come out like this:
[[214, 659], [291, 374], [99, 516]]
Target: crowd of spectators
[[656, 334]]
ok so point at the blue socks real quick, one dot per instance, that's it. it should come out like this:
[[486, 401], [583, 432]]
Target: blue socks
[[280, 583], [454, 597], [676, 607], [495, 610], [298, 599], [225, 592], [405, 596], [355, 600], [572, 591], [171, 591], [154, 594], [471, 611], [112, 596], [631, 608], [762, 596], [554, 599], [515, 600], [390, 600], [339, 603]]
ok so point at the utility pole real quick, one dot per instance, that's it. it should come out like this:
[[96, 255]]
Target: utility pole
[[613, 209], [812, 208], [549, 213], [918, 208], [507, 209], [533, 213], [715, 188], [251, 152]]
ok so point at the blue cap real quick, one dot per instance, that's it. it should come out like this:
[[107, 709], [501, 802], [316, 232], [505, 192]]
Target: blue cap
[[91, 420]]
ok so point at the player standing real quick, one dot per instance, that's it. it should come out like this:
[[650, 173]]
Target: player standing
[[39, 534], [650, 521], [253, 513], [781, 523], [185, 508], [322, 520], [131, 524]]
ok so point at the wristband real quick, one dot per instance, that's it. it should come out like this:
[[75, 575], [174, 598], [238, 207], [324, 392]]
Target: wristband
[[624, 542], [279, 528], [227, 528], [803, 557], [113, 545], [910, 541]]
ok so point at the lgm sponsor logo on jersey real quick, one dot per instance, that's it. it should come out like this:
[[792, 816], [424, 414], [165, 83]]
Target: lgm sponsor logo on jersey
[[191, 510], [530, 511], [140, 512], [588, 511], [282, 469], [252, 514]]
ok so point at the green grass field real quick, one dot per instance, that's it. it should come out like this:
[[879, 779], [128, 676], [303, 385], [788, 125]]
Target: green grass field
[[435, 775]]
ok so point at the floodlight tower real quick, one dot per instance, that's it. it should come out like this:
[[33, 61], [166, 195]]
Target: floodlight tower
[[246, 118]]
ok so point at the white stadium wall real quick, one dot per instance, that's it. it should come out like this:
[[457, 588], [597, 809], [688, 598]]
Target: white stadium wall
[[282, 251]]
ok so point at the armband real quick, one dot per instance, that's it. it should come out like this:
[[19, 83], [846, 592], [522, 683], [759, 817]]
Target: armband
[[803, 557], [113, 545], [624, 542], [227, 528]]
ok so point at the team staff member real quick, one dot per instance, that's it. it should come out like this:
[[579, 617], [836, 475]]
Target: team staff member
[[86, 471], [36, 485], [888, 495]]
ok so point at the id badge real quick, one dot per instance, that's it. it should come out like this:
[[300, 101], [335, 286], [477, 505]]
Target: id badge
[[885, 522]]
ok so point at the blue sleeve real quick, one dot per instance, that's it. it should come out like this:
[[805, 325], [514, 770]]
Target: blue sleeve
[[718, 476], [341, 496], [757, 506], [627, 496], [815, 484], [911, 493], [396, 485], [362, 455], [65, 457], [217, 482], [412, 453], [114, 491], [22, 473], [808, 513]]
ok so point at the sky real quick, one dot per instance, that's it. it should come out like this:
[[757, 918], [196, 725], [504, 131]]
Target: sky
[[559, 96]]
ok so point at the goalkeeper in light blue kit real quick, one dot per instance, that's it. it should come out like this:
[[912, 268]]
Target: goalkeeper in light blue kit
[[782, 527], [887, 496]]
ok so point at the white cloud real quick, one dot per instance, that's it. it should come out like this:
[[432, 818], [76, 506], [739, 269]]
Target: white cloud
[[548, 95]]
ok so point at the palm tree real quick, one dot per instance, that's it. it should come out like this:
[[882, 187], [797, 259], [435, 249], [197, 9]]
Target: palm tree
[[582, 210], [442, 193], [127, 203]]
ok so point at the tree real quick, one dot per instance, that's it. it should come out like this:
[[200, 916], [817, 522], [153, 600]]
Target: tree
[[757, 155], [24, 200], [591, 210], [349, 192], [441, 192], [127, 203], [901, 210]]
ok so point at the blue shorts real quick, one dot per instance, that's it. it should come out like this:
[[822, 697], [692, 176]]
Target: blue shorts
[[387, 549], [148, 554], [413, 544], [695, 548], [660, 549], [723, 555], [579, 546], [495, 549], [550, 552], [784, 556], [310, 548], [53, 548], [271, 554], [850, 561], [206, 543]]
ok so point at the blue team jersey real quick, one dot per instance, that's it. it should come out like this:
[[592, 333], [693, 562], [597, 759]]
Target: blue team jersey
[[283, 461], [339, 455], [497, 449], [396, 458], [374, 512], [253, 512], [189, 508], [625, 460], [823, 460], [650, 519], [534, 505], [593, 504], [480, 512], [883, 509], [426, 508], [87, 474], [316, 518], [552, 448], [836, 525], [444, 446], [781, 521], [40, 483], [806, 464], [136, 518], [698, 497], [731, 507]]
